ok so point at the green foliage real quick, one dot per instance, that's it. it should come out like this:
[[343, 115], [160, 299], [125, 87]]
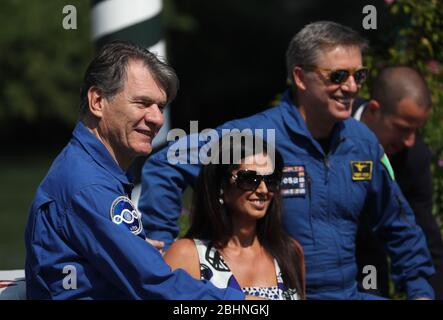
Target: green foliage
[[19, 182], [415, 38], [41, 63]]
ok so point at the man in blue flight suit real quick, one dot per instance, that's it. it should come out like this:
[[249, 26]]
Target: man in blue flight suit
[[84, 237], [334, 166]]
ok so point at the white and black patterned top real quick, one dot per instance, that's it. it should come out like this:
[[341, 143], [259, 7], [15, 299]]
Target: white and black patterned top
[[214, 269]]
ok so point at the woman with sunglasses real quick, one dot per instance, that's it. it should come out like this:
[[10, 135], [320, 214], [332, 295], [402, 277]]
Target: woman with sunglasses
[[236, 238]]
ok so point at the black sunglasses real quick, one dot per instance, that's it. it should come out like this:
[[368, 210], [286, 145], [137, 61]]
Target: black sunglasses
[[338, 76], [249, 180]]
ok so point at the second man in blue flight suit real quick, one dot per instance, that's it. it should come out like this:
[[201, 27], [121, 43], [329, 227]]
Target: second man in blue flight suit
[[334, 167]]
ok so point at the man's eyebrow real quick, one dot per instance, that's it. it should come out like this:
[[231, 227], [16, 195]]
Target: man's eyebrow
[[147, 99], [403, 125]]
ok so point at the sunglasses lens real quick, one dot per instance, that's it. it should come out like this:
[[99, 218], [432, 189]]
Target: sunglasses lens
[[247, 180], [338, 76], [272, 183], [360, 76]]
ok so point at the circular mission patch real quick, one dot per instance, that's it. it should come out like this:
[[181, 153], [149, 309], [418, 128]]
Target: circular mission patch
[[123, 213]]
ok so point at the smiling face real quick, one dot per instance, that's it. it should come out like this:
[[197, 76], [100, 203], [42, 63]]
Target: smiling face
[[325, 101], [250, 205], [131, 118]]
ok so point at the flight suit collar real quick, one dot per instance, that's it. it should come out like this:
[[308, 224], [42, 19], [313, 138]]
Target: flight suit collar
[[96, 149], [295, 123]]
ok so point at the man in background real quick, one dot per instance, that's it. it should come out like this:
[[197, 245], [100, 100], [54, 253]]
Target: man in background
[[400, 104]]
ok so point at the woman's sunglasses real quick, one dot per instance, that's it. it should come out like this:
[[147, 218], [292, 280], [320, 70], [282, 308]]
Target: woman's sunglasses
[[338, 76], [249, 180]]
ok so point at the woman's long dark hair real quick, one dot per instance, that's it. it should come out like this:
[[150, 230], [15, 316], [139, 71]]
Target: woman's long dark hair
[[211, 221]]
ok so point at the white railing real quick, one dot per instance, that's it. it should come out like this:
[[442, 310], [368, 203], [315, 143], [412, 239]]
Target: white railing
[[12, 285]]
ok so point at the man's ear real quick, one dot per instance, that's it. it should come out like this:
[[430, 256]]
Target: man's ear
[[371, 115], [299, 79], [373, 106], [95, 102]]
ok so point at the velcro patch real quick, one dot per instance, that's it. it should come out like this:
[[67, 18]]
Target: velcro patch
[[361, 170]]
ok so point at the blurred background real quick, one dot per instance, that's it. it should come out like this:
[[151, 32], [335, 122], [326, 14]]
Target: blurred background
[[229, 55]]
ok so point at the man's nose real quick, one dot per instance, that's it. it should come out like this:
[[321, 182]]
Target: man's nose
[[154, 115], [350, 85], [409, 140]]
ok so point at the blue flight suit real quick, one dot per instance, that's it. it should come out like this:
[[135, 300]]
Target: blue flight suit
[[323, 195], [85, 240]]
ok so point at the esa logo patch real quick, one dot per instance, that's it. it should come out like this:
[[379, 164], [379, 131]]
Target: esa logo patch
[[294, 181], [123, 213], [361, 170]]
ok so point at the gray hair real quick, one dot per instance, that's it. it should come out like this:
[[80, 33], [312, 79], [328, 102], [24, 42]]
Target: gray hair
[[107, 72], [306, 45]]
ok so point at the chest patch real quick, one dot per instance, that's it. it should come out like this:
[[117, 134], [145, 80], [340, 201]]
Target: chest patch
[[124, 214], [294, 181], [361, 170]]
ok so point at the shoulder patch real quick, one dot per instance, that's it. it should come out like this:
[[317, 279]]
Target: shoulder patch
[[361, 170], [123, 213], [385, 161]]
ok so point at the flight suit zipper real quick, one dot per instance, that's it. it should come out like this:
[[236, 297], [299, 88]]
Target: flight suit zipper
[[308, 183], [327, 164], [326, 161]]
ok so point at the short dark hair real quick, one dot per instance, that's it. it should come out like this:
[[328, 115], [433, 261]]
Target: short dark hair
[[395, 83], [305, 46], [210, 220], [107, 71]]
